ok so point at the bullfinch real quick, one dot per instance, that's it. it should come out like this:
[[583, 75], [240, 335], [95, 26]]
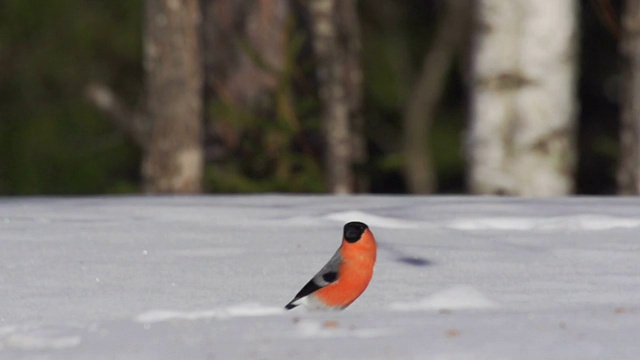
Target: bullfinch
[[345, 277]]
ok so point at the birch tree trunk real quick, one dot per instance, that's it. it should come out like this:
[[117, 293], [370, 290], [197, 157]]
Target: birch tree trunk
[[331, 67], [173, 160], [523, 106], [629, 164]]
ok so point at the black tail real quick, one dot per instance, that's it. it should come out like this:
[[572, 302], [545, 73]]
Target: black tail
[[310, 288], [290, 305]]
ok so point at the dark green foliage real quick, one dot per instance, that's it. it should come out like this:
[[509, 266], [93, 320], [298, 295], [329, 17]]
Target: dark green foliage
[[53, 141]]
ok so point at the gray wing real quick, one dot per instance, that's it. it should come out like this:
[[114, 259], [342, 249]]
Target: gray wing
[[327, 275]]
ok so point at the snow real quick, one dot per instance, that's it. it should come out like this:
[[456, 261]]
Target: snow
[[223, 313], [207, 277], [458, 297]]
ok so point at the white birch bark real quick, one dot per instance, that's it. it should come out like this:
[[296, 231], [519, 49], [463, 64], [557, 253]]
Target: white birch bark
[[523, 107]]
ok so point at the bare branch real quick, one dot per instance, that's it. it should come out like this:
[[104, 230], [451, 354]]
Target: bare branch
[[426, 94], [132, 123]]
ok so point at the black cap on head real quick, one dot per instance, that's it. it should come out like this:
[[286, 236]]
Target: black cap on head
[[353, 231]]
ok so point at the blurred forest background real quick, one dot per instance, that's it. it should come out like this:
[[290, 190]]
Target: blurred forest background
[[126, 96]]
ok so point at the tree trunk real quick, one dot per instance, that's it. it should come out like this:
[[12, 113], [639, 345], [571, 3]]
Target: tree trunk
[[350, 42], [521, 136], [420, 174], [332, 64], [629, 165], [245, 49], [173, 160]]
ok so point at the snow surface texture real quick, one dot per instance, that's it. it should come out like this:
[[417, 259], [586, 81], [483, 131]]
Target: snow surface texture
[[207, 277]]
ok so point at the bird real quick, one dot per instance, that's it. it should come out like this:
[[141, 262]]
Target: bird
[[347, 274]]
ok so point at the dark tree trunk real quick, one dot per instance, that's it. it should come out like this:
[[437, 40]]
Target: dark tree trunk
[[629, 164], [247, 46], [351, 43], [245, 49]]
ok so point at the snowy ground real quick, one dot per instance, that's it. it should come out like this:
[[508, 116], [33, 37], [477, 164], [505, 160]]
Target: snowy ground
[[206, 278]]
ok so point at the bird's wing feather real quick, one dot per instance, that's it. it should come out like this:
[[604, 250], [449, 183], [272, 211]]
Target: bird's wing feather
[[327, 275]]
